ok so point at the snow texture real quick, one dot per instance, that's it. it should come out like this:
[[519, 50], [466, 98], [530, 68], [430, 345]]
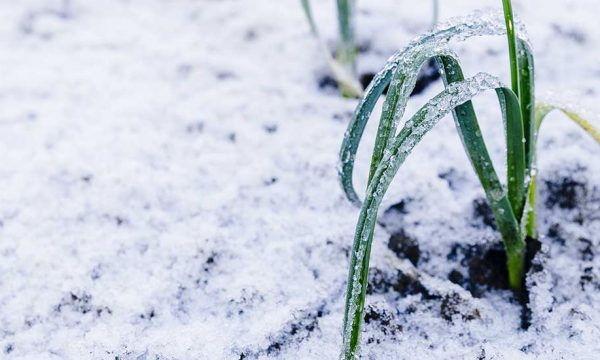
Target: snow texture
[[169, 188]]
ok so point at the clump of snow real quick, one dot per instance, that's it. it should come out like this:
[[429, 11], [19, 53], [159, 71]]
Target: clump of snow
[[169, 188]]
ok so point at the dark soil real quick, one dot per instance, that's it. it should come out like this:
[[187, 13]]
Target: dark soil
[[479, 267], [452, 305], [565, 193], [405, 246], [386, 322], [297, 330], [81, 302], [482, 267], [389, 324], [400, 283], [482, 213], [327, 82]]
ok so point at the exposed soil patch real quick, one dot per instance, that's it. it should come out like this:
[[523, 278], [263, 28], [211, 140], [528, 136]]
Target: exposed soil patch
[[400, 283], [479, 267], [384, 321], [573, 194], [405, 246], [453, 305], [304, 324], [482, 212], [565, 193], [482, 267], [327, 82], [81, 302]]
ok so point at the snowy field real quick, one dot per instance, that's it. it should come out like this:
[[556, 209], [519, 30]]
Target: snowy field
[[168, 188]]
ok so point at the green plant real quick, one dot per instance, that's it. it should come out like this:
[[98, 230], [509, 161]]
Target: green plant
[[346, 52], [512, 204], [541, 110], [343, 66]]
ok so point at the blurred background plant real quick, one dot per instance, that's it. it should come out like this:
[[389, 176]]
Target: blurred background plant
[[343, 65]]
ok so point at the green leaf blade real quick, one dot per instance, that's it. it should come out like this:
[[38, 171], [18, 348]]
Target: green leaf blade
[[470, 133], [388, 155], [515, 150], [411, 134], [527, 97], [512, 45], [542, 110]]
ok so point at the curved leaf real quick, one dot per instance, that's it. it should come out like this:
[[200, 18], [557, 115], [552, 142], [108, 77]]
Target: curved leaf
[[505, 216], [522, 77], [542, 109], [391, 149], [454, 96], [404, 66]]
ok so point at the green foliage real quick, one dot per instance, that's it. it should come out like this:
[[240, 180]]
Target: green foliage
[[343, 67], [542, 109], [512, 203], [346, 53]]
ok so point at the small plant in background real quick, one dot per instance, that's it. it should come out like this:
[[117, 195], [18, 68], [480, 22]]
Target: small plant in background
[[343, 66], [346, 52], [512, 203]]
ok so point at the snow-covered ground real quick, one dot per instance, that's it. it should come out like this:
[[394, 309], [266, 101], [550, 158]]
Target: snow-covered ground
[[168, 188]]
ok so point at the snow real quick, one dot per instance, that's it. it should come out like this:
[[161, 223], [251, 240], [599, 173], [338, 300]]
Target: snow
[[169, 187]]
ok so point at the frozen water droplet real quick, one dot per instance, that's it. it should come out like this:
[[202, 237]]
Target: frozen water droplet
[[497, 194]]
